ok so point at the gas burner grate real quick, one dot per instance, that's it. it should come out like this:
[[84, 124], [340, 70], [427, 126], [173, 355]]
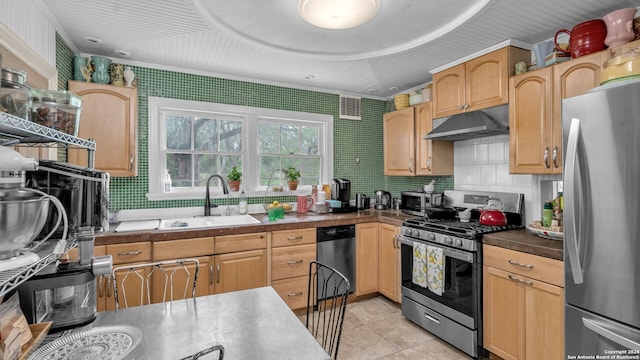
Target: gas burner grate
[[470, 229]]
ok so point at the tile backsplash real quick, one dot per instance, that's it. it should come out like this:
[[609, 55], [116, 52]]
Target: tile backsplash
[[483, 164]]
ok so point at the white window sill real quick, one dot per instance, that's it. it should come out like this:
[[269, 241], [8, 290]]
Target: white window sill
[[219, 195]]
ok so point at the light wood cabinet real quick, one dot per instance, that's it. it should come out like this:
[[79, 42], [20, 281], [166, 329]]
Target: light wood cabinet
[[128, 254], [406, 153], [109, 116], [523, 305], [389, 262], [291, 253], [366, 258], [240, 262], [535, 118], [477, 84]]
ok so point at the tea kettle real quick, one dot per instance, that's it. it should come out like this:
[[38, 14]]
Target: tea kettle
[[492, 213], [382, 200]]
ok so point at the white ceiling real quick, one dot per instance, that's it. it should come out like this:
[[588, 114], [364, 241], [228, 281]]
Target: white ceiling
[[268, 42]]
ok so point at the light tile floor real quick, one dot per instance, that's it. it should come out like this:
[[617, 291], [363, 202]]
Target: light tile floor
[[375, 329]]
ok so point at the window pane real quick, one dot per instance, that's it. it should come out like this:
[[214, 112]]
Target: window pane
[[230, 136], [310, 171], [227, 162], [268, 139], [179, 166], [290, 140], [309, 140], [292, 162], [205, 166], [178, 133], [267, 166], [206, 134]]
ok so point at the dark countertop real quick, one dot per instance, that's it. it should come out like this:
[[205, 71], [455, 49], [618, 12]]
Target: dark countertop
[[527, 242], [290, 222]]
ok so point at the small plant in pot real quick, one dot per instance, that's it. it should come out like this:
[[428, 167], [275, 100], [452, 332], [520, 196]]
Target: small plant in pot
[[234, 178], [292, 175]]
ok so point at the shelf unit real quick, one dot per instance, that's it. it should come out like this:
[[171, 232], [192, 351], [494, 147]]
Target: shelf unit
[[17, 130]]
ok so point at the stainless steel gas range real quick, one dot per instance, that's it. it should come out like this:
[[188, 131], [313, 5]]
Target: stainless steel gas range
[[442, 268]]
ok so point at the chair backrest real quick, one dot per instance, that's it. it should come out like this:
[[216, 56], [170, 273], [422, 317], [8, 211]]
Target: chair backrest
[[197, 355], [326, 305], [160, 281]]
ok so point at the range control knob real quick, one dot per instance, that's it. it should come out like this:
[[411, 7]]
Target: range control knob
[[458, 242], [448, 240], [407, 231], [431, 236]]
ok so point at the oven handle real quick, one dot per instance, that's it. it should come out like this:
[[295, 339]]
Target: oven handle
[[456, 254]]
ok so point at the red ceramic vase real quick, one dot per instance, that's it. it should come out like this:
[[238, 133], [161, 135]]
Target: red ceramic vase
[[585, 38]]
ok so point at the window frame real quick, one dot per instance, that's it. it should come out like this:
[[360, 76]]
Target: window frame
[[158, 106]]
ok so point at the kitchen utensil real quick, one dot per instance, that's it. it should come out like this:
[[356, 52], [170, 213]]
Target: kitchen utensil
[[304, 204], [439, 212], [362, 201], [430, 188], [465, 215], [22, 217], [382, 200], [584, 38], [619, 27], [492, 213]]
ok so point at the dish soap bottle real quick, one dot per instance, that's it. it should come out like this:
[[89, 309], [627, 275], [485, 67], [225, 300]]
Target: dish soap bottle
[[167, 182], [243, 208], [547, 214]]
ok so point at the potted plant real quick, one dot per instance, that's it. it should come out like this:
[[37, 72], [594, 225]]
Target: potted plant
[[234, 178], [292, 175]]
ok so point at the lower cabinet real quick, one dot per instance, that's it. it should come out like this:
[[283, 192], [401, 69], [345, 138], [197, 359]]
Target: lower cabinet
[[291, 253], [240, 262], [366, 258], [523, 305], [389, 262], [128, 254]]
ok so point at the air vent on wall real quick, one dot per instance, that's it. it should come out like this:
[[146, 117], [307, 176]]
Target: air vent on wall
[[350, 107]]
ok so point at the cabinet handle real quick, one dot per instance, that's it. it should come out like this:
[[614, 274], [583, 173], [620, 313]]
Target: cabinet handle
[[431, 318], [109, 287], [290, 262], [294, 294], [546, 157], [554, 157], [130, 162], [210, 274], [395, 241], [294, 237], [411, 165], [514, 263], [519, 280], [218, 271], [130, 253], [462, 107], [101, 286], [429, 163]]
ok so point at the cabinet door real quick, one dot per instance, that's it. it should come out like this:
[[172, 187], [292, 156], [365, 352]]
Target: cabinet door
[[109, 116], [503, 311], [132, 289], [545, 321], [366, 258], [432, 157], [572, 78], [449, 91], [388, 262], [240, 271], [530, 123], [399, 147], [487, 80], [178, 279]]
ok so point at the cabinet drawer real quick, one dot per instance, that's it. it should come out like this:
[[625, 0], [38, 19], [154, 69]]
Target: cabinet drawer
[[177, 249], [244, 242], [293, 237], [536, 267], [293, 291], [291, 261], [127, 253]]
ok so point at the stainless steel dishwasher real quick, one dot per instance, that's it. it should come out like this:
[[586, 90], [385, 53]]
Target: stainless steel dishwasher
[[337, 248]]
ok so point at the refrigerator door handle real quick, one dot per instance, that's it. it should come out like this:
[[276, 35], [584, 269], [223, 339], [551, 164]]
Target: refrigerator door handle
[[610, 335], [570, 197]]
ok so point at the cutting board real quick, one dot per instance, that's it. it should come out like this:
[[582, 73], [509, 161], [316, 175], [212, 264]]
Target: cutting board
[[137, 225]]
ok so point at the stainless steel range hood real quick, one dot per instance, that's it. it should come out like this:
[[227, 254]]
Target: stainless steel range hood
[[475, 124]]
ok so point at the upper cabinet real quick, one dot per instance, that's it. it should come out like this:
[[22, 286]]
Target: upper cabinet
[[110, 117], [535, 112], [406, 153], [479, 83]]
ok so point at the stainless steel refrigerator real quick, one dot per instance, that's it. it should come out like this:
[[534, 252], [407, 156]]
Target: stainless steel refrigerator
[[601, 148]]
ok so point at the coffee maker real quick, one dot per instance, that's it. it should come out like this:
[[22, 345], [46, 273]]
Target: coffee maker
[[341, 191]]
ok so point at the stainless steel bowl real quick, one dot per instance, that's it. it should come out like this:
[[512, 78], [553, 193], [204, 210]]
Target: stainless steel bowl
[[22, 217]]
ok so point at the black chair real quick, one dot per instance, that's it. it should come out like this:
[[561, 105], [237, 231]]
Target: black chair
[[326, 305], [207, 351]]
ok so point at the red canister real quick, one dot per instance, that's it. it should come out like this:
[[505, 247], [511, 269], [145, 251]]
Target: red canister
[[585, 38]]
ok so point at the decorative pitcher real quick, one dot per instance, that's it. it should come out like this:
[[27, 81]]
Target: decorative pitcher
[[304, 204], [101, 70], [82, 68], [619, 27]]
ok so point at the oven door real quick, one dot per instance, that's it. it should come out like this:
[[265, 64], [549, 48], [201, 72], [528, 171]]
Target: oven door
[[460, 299]]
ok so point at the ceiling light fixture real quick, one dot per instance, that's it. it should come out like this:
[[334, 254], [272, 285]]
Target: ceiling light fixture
[[338, 14], [122, 52], [93, 39]]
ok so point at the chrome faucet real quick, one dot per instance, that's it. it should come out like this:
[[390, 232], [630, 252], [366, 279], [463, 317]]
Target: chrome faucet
[[207, 199]]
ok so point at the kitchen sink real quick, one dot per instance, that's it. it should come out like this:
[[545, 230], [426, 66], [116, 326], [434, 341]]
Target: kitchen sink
[[206, 222]]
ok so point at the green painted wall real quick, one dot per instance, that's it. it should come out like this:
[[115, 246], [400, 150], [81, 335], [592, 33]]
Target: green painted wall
[[353, 139]]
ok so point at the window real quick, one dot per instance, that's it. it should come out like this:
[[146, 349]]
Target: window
[[193, 140]]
